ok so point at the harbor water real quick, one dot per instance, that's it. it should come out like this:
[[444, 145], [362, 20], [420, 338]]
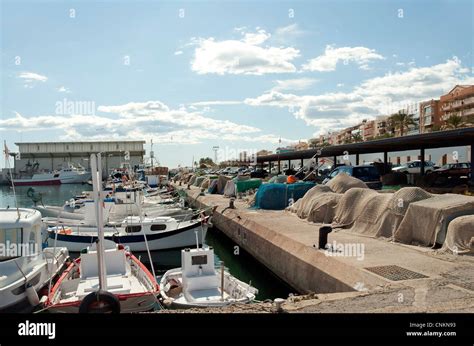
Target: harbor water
[[240, 264]]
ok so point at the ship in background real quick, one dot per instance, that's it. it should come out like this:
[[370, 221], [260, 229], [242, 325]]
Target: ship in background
[[68, 174]]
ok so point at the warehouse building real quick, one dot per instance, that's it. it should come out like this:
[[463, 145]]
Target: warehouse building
[[48, 156]]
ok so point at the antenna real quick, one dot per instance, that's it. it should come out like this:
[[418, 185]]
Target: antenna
[[7, 162]]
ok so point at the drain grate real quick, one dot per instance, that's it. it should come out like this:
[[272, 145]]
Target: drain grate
[[395, 273]]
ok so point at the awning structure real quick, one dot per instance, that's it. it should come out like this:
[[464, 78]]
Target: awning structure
[[439, 139]]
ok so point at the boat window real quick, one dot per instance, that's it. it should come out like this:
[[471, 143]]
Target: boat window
[[199, 260], [159, 227], [11, 239], [133, 229], [56, 175]]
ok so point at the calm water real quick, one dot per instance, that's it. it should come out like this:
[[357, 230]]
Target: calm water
[[243, 266]]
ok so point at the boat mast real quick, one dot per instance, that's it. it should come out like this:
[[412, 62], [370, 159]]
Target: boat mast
[[7, 162], [96, 169]]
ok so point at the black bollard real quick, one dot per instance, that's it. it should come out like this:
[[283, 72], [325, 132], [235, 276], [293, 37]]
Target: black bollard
[[323, 236]]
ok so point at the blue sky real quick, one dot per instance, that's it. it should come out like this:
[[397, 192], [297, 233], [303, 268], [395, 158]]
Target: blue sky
[[240, 75]]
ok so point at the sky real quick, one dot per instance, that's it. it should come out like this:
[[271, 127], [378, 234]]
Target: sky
[[246, 75]]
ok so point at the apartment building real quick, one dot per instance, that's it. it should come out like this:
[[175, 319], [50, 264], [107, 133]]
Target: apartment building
[[459, 101], [430, 116]]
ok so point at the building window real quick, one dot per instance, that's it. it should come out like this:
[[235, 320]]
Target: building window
[[38, 148], [92, 147], [67, 147], [117, 146]]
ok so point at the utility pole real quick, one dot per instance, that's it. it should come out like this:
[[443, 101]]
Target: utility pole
[[152, 154], [215, 148]]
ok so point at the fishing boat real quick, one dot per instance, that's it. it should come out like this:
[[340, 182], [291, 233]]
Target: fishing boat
[[198, 284], [129, 286], [25, 268], [161, 233], [106, 277], [69, 174]]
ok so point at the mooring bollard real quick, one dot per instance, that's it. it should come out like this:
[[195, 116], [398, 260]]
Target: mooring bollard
[[323, 236], [231, 203], [278, 302]]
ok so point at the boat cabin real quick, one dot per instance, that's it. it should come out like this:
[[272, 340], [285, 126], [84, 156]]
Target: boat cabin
[[199, 277]]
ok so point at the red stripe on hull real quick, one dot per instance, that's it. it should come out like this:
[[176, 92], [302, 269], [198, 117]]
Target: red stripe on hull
[[37, 183]]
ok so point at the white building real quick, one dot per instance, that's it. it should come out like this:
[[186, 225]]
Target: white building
[[50, 156]]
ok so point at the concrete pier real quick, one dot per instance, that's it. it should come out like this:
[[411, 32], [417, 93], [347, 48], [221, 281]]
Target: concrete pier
[[288, 246]]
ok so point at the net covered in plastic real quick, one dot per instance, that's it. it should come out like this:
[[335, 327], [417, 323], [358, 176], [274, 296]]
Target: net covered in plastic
[[303, 206], [221, 182], [278, 196], [384, 213], [426, 221], [351, 205], [192, 180], [343, 182], [212, 186], [460, 236], [199, 181]]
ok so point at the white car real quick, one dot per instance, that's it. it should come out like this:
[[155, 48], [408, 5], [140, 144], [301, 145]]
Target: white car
[[414, 167]]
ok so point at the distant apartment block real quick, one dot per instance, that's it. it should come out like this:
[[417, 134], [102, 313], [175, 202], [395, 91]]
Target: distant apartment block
[[459, 101], [430, 116]]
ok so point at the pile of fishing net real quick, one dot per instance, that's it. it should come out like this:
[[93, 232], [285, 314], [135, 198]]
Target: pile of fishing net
[[426, 221], [460, 236], [380, 214]]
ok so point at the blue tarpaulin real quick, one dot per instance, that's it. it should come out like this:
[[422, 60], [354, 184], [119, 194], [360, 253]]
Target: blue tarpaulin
[[277, 196]]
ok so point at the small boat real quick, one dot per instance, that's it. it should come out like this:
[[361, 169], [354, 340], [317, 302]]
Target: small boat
[[129, 285], [106, 277], [162, 233], [25, 268], [198, 284]]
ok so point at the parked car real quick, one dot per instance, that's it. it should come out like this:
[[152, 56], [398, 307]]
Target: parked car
[[368, 174], [460, 169], [414, 167], [259, 173]]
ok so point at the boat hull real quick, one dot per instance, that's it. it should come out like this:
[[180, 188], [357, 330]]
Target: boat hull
[[32, 182], [176, 239], [13, 295]]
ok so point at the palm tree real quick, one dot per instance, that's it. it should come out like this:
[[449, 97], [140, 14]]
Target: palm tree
[[402, 121], [454, 122], [313, 143], [357, 137]]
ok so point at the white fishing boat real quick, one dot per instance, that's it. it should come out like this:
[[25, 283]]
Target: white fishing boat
[[25, 268], [162, 233], [106, 277], [129, 285], [69, 174], [198, 284]]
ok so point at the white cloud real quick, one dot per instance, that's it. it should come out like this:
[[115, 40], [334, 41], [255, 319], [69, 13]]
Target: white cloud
[[247, 55], [294, 84], [380, 95], [140, 120], [63, 89], [178, 52], [216, 103], [31, 78], [332, 56]]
